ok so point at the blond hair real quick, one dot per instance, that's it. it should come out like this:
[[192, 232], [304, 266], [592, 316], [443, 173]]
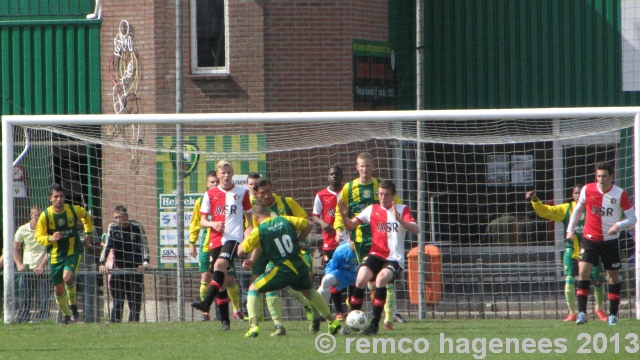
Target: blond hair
[[223, 163], [365, 156]]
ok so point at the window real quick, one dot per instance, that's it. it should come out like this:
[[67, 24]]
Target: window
[[209, 34]]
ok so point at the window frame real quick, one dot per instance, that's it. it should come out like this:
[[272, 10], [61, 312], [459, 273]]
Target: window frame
[[201, 70]]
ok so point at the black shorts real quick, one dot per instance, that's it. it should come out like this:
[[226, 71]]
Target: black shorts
[[376, 264], [227, 251], [608, 251]]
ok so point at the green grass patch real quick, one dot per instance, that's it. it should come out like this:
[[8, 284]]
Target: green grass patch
[[469, 339]]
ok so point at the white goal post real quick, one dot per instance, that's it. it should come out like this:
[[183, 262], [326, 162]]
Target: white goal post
[[488, 150]]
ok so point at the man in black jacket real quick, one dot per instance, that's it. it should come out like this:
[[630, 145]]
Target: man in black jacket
[[131, 253]]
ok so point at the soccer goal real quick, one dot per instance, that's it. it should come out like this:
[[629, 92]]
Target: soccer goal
[[463, 173]]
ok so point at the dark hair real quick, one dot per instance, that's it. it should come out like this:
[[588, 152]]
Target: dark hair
[[336, 167], [56, 188], [260, 208], [578, 186], [212, 173], [389, 185], [254, 175], [261, 183], [604, 165], [120, 209]]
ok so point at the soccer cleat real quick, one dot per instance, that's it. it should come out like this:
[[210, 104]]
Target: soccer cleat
[[279, 331], [254, 331], [340, 316], [334, 327], [200, 305], [345, 330], [371, 329], [226, 326], [238, 315], [613, 320], [581, 319], [315, 326], [388, 326], [570, 317], [399, 318], [66, 320], [75, 315], [205, 317], [601, 315], [308, 312]]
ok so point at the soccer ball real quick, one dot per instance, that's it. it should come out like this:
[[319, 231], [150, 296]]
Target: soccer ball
[[357, 320]]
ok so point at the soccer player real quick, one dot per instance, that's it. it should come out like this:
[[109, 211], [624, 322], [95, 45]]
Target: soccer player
[[57, 229], [227, 204], [562, 213], [280, 205], [32, 263], [324, 215], [128, 241], [276, 237], [605, 204], [357, 195], [339, 273], [388, 223]]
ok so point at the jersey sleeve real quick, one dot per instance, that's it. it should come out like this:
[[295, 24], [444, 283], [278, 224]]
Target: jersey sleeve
[[18, 237], [625, 202], [205, 205], [41, 235], [406, 215], [583, 195], [246, 202], [194, 226], [338, 223], [296, 209], [365, 216], [317, 206], [86, 219], [550, 212], [144, 243], [252, 241], [300, 223]]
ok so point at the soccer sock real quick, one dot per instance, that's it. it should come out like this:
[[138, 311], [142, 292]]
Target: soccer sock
[[357, 299], [214, 287], [598, 292], [614, 298], [275, 307], [303, 301], [379, 303], [204, 287], [583, 295], [325, 289], [261, 305], [390, 302], [336, 295], [63, 304], [71, 293], [234, 296], [570, 293], [318, 303], [223, 304], [253, 306]]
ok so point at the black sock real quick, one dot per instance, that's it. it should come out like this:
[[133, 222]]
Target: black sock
[[378, 305], [223, 305], [337, 301], [582, 294], [614, 298], [357, 299]]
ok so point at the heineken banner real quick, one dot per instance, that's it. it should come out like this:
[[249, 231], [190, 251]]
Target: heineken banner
[[246, 153]]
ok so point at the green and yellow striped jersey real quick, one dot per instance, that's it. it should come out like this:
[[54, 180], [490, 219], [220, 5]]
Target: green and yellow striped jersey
[[65, 222]]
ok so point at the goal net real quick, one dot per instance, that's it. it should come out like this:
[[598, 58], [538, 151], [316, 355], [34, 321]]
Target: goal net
[[464, 174]]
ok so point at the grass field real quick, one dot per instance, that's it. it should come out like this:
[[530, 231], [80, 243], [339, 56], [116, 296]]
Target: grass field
[[199, 340]]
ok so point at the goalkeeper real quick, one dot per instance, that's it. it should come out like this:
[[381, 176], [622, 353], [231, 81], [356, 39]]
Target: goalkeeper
[[562, 213]]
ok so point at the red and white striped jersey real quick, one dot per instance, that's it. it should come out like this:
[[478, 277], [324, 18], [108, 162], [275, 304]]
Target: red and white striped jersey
[[603, 210], [387, 235], [228, 206], [324, 207]]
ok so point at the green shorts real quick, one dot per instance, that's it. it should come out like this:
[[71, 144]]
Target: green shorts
[[69, 263], [260, 266], [307, 258], [571, 266], [362, 250], [281, 276], [203, 261]]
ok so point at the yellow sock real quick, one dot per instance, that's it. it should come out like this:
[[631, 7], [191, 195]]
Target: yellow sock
[[234, 296], [570, 294], [63, 304], [598, 292], [253, 306], [275, 307], [391, 302], [204, 287], [317, 302], [71, 293]]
